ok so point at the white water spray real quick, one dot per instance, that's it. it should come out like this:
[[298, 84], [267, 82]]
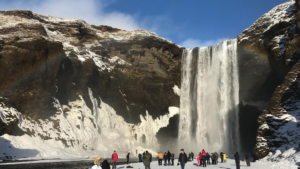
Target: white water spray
[[209, 98]]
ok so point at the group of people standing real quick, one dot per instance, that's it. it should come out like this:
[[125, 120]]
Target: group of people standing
[[204, 158], [167, 157]]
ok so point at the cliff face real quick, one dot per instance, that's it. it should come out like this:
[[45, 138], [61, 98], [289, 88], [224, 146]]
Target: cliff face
[[271, 47], [75, 89], [71, 76]]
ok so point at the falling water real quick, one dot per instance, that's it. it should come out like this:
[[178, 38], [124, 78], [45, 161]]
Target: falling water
[[209, 98]]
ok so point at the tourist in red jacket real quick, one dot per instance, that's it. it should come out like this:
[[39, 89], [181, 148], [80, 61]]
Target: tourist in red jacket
[[114, 159]]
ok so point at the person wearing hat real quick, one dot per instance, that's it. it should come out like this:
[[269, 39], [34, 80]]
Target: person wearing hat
[[182, 158], [97, 162]]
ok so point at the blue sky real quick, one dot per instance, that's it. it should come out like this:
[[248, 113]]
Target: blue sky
[[189, 23]]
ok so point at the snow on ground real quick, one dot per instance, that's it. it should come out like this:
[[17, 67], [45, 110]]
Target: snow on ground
[[229, 165]]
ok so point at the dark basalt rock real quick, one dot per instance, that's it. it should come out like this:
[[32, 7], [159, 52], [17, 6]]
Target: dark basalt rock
[[279, 43], [36, 67]]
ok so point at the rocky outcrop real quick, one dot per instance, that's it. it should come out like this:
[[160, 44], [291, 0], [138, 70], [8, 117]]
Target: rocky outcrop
[[53, 68], [273, 43]]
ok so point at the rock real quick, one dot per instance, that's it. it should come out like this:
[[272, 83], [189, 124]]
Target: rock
[[48, 64], [274, 37]]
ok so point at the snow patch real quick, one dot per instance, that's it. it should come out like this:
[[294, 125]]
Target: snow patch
[[176, 90], [281, 45], [8, 115], [117, 60]]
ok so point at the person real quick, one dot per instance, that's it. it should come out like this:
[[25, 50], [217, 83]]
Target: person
[[160, 158], [199, 158], [213, 158], [140, 157], [169, 157], [173, 157], [203, 152], [248, 156], [189, 157], [204, 160], [217, 157], [114, 159], [128, 158], [143, 156], [182, 159], [165, 158], [224, 157], [237, 160], [105, 165], [221, 155], [208, 158], [192, 154], [147, 160], [97, 162]]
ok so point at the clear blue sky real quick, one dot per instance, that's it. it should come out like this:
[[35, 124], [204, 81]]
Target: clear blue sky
[[203, 22]]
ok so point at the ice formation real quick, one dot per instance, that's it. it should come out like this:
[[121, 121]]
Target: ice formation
[[75, 131]]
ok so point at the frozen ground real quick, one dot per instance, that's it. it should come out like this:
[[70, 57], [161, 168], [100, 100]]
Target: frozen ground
[[229, 165], [84, 163]]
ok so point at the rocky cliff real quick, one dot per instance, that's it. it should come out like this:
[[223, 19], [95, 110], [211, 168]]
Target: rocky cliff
[[73, 89], [78, 85], [269, 56]]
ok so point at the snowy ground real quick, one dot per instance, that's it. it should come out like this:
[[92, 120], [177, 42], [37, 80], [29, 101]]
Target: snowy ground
[[190, 165], [229, 165]]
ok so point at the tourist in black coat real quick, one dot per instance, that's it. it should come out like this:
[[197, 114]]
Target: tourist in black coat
[[237, 160], [222, 157], [248, 156], [105, 165], [128, 158], [182, 160], [165, 158], [208, 158], [169, 157]]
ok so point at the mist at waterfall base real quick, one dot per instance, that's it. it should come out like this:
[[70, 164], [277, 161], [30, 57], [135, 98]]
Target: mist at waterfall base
[[209, 99]]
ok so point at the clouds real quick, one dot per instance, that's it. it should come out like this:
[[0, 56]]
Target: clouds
[[99, 12], [91, 11], [191, 43]]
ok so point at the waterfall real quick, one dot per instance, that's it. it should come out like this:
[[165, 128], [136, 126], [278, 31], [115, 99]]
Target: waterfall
[[209, 98]]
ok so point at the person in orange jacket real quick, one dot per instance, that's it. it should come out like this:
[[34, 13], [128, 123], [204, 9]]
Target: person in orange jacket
[[160, 158]]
